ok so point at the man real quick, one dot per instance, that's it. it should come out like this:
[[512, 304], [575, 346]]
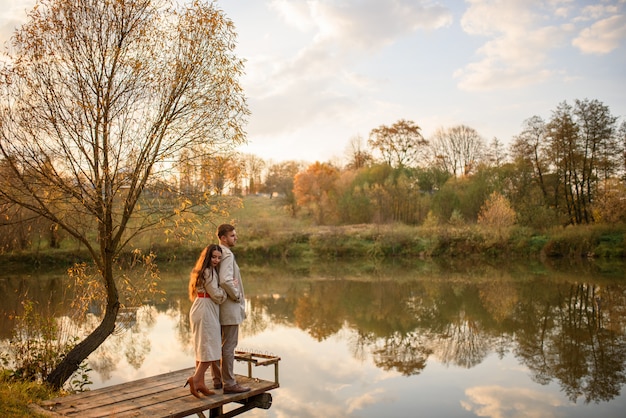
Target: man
[[232, 312]]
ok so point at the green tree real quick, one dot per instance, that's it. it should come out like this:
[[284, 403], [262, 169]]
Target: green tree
[[99, 96], [353, 204], [430, 179], [447, 200]]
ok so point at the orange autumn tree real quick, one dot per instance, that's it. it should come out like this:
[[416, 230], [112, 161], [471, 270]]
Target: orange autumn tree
[[314, 188]]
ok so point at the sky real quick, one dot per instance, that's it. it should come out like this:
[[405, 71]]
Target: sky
[[320, 73]]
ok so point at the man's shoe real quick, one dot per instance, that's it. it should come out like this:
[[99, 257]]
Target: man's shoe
[[236, 389], [217, 385]]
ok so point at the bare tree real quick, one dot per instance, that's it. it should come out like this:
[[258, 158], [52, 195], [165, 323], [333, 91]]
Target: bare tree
[[400, 145], [458, 150], [253, 167], [621, 149], [357, 153], [496, 153], [99, 95], [531, 147]]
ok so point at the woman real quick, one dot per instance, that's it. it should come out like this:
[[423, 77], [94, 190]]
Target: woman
[[206, 295]]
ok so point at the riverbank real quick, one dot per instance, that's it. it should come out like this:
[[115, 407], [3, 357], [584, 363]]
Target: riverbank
[[309, 244], [266, 232], [16, 395]]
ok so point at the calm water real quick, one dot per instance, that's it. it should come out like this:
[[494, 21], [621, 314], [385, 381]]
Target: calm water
[[418, 339]]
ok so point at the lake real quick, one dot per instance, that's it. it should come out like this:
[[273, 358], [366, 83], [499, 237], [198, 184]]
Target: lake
[[394, 339]]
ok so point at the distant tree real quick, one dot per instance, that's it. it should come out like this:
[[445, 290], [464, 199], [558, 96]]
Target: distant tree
[[252, 168], [565, 154], [448, 199], [610, 205], [530, 148], [99, 97], [223, 173], [315, 187], [280, 181], [584, 150], [621, 151], [600, 145], [458, 150], [400, 145], [496, 153], [430, 179], [353, 204], [358, 154], [497, 213]]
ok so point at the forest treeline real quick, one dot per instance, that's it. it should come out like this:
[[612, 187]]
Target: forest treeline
[[568, 170]]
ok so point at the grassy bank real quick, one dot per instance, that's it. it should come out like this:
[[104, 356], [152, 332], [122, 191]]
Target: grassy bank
[[266, 232], [15, 396]]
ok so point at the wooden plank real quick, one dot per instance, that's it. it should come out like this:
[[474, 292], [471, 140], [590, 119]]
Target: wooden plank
[[188, 405], [111, 395], [157, 396]]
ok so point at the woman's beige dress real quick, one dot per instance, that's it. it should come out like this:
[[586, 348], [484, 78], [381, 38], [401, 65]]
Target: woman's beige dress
[[205, 319]]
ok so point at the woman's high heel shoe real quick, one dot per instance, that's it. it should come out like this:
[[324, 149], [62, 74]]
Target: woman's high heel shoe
[[205, 390], [192, 387]]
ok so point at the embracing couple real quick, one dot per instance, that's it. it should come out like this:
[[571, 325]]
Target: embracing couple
[[216, 290]]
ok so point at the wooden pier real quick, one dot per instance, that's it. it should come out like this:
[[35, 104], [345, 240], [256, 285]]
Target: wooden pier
[[164, 396]]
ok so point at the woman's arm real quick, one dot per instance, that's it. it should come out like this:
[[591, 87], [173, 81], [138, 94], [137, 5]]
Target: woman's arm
[[218, 295]]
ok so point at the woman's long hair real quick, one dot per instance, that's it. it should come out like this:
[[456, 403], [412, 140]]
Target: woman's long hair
[[196, 277]]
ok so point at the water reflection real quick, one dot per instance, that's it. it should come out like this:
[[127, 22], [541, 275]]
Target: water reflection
[[568, 331], [564, 329]]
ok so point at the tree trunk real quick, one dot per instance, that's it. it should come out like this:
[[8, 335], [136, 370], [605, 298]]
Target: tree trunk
[[75, 357]]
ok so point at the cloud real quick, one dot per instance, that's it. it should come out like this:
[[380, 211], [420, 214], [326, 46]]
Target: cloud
[[516, 52], [603, 36], [497, 402], [369, 398], [522, 35], [366, 25], [596, 11], [320, 75]]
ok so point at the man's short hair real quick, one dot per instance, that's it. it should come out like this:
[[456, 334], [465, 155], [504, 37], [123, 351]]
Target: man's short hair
[[224, 229]]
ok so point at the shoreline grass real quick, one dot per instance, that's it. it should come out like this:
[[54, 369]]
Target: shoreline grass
[[266, 232]]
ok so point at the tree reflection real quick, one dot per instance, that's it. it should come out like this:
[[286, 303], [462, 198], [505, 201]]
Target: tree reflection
[[571, 333], [577, 341], [407, 354], [564, 328], [130, 341], [463, 344]]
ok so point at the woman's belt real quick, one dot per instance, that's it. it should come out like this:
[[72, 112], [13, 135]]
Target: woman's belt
[[204, 295]]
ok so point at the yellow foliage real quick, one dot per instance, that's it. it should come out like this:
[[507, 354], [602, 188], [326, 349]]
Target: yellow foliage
[[497, 212]]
